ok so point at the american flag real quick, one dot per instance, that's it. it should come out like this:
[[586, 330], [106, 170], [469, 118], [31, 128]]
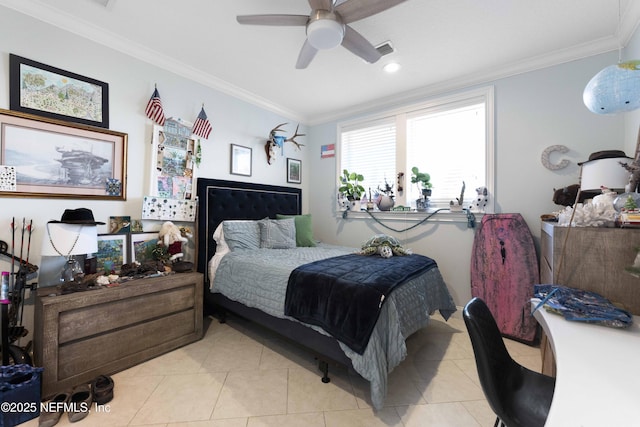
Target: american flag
[[154, 108], [202, 127]]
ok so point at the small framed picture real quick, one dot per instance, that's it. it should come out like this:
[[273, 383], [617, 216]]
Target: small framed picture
[[142, 245], [240, 160], [294, 171], [112, 252]]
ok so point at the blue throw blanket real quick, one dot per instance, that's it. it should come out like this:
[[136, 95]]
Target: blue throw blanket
[[344, 294]]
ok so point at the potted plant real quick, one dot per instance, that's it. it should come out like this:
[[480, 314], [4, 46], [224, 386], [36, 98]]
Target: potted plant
[[350, 186], [422, 180]]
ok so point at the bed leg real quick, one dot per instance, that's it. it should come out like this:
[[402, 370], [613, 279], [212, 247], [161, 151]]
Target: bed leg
[[222, 317], [324, 368]]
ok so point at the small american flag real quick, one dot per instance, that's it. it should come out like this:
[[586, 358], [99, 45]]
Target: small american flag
[[154, 108], [202, 127]]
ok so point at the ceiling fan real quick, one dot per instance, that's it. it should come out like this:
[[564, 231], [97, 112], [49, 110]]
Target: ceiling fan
[[327, 26]]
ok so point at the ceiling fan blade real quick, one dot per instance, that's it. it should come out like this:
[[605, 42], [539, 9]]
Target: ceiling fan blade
[[321, 4], [276, 20], [354, 10], [360, 46], [307, 53]]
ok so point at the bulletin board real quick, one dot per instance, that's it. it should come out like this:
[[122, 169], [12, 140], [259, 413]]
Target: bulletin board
[[173, 167]]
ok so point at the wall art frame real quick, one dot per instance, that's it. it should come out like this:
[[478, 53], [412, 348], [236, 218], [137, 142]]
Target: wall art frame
[[113, 252], [141, 246], [40, 89], [294, 171], [53, 158], [240, 160]]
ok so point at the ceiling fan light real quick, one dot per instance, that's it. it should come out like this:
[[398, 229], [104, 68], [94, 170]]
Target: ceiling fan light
[[325, 33]]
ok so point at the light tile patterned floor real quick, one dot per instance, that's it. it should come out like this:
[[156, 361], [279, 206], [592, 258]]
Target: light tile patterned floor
[[240, 375]]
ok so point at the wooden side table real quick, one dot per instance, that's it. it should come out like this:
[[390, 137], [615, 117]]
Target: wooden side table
[[81, 335]]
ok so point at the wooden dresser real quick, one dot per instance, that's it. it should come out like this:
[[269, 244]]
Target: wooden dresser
[[81, 335], [594, 260]]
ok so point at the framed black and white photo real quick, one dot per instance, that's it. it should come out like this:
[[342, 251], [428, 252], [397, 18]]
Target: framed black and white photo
[[240, 160], [57, 159], [294, 171], [41, 89]]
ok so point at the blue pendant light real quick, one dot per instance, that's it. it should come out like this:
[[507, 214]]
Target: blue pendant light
[[615, 89]]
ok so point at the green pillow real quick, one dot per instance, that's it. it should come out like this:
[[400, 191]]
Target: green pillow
[[304, 233]]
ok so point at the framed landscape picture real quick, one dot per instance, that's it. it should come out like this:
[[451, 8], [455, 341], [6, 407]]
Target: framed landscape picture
[[48, 91], [51, 158], [112, 252], [142, 246]]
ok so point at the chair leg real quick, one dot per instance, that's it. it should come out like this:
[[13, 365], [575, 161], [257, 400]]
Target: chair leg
[[499, 423]]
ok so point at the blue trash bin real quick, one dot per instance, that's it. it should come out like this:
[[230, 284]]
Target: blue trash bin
[[20, 388]]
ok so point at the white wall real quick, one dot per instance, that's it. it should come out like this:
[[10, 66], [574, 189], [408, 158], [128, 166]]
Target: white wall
[[131, 83], [533, 111]]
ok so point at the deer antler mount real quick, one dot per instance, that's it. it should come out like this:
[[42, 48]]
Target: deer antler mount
[[277, 141]]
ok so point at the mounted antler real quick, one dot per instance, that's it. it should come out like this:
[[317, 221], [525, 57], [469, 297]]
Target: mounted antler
[[293, 138], [278, 141], [276, 129]]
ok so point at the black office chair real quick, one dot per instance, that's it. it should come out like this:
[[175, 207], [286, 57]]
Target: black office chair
[[518, 396]]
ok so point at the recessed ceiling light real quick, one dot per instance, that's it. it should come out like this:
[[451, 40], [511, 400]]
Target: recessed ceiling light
[[391, 67]]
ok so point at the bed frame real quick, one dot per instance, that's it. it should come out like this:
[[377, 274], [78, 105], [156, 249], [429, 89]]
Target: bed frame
[[219, 200]]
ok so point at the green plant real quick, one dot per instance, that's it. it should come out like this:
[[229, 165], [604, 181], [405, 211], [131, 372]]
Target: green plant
[[422, 179], [350, 185]]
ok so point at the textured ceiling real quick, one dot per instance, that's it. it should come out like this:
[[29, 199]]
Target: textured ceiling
[[440, 44]]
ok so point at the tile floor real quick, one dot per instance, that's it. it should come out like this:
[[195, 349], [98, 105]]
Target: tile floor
[[240, 375]]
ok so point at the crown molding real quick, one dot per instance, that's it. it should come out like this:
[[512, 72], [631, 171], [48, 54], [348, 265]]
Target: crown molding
[[44, 12]]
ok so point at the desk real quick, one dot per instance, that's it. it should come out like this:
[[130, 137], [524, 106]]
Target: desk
[[598, 370]]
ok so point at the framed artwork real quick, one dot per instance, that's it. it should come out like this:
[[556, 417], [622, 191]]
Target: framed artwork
[[294, 171], [56, 159], [40, 89], [112, 252], [173, 175], [141, 246], [119, 224], [240, 160]]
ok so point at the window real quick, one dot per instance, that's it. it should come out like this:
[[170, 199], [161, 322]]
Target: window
[[450, 138]]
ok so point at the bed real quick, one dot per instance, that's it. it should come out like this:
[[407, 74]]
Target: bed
[[404, 311]]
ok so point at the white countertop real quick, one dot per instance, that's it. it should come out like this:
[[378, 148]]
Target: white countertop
[[598, 372]]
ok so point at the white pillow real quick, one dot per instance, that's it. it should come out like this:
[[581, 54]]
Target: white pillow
[[221, 250]]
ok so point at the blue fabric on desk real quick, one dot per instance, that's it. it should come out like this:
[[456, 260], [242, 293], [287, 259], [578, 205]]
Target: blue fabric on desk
[[344, 294], [581, 306]]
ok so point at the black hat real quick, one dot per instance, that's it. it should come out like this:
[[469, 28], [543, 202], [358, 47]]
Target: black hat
[[605, 154], [78, 216]]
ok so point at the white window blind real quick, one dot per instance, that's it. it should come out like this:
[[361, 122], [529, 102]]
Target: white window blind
[[371, 151], [449, 144]]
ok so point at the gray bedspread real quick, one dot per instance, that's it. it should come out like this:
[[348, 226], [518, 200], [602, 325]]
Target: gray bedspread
[[258, 278]]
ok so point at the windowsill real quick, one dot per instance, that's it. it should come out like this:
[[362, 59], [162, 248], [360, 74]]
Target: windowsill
[[435, 215]]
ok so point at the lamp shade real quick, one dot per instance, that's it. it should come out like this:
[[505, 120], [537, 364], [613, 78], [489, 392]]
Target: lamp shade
[[62, 239], [604, 173]]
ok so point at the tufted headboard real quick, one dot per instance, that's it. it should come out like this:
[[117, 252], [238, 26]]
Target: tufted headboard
[[219, 200]]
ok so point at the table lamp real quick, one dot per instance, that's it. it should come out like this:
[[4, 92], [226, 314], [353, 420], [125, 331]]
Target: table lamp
[[603, 169], [68, 240]]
